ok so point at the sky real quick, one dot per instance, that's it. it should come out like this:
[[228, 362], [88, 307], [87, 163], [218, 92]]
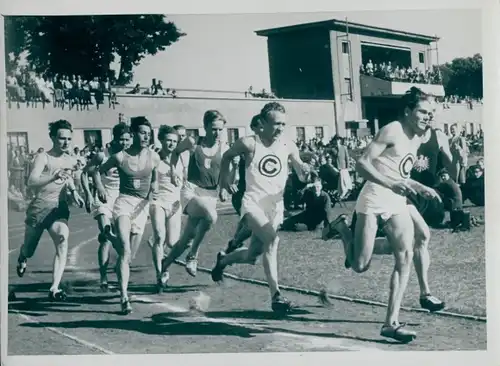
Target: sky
[[222, 52]]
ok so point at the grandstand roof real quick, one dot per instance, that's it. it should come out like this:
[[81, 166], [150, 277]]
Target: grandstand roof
[[356, 28]]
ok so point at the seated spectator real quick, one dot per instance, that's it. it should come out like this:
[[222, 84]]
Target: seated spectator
[[135, 90], [317, 207], [473, 189], [451, 196]]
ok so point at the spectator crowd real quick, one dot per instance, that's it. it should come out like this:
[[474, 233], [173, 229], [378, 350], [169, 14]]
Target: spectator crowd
[[394, 72], [61, 91]]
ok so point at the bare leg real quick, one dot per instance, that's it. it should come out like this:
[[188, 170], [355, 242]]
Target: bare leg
[[159, 233], [124, 254], [104, 224], [59, 233]]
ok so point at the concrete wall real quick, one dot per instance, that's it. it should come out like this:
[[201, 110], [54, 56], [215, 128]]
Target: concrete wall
[[161, 110]]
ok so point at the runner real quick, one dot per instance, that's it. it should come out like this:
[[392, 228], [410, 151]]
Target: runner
[[199, 194], [51, 181], [242, 231], [103, 211], [165, 206], [386, 165], [137, 170], [266, 155]]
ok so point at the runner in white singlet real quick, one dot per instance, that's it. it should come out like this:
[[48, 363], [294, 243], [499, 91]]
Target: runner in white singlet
[[200, 191], [103, 211], [386, 164], [51, 179], [165, 207], [138, 178], [266, 155]]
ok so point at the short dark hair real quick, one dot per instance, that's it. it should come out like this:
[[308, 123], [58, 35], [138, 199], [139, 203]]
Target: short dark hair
[[255, 121], [165, 130], [211, 116], [135, 122], [412, 97], [61, 124], [120, 129], [271, 107]]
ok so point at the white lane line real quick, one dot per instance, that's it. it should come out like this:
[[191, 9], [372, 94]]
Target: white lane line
[[298, 340], [64, 334]]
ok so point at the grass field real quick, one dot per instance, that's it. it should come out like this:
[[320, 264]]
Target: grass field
[[456, 275]]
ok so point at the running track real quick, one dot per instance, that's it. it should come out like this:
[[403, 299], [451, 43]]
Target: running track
[[238, 320]]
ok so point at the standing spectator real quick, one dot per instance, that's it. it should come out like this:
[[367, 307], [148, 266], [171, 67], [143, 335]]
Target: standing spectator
[[341, 162], [459, 151]]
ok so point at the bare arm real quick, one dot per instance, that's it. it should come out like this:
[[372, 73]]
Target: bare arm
[[89, 169], [302, 169], [112, 162], [382, 141], [187, 144], [154, 175], [241, 147], [35, 179]]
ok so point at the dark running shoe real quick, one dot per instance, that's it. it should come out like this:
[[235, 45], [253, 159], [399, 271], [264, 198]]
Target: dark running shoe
[[58, 295], [218, 270], [21, 267], [126, 307], [431, 303], [280, 304], [398, 333]]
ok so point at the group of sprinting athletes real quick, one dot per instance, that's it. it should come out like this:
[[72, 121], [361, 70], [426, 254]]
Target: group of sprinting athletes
[[188, 176]]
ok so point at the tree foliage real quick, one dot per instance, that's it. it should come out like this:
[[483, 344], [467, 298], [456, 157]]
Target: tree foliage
[[87, 45], [463, 76]]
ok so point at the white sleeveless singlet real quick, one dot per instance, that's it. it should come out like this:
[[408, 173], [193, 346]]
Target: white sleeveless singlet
[[267, 173], [54, 191], [395, 163], [167, 192]]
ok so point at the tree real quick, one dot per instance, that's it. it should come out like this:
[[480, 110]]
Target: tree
[[463, 76], [87, 45]]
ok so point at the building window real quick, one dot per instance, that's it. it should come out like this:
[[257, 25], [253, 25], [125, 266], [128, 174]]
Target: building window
[[319, 133], [472, 128], [421, 57], [345, 48], [348, 88], [233, 134], [92, 138], [193, 132], [301, 134]]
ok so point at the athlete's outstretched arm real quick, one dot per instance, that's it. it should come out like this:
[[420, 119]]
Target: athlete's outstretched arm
[[36, 180], [111, 163], [241, 147], [302, 169], [89, 169], [187, 144], [384, 139]]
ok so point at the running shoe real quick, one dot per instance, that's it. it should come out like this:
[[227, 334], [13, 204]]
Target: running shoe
[[58, 295], [104, 286], [21, 267], [218, 270], [126, 307], [191, 265], [161, 282], [398, 333], [280, 304], [431, 303]]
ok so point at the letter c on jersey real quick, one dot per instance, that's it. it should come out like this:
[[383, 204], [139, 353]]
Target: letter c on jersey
[[270, 166], [406, 165]]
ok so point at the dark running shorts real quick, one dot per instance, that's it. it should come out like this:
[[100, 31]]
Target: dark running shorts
[[42, 214]]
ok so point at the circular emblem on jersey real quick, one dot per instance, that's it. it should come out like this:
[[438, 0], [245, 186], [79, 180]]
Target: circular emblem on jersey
[[421, 164], [137, 183], [270, 166], [406, 165]]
